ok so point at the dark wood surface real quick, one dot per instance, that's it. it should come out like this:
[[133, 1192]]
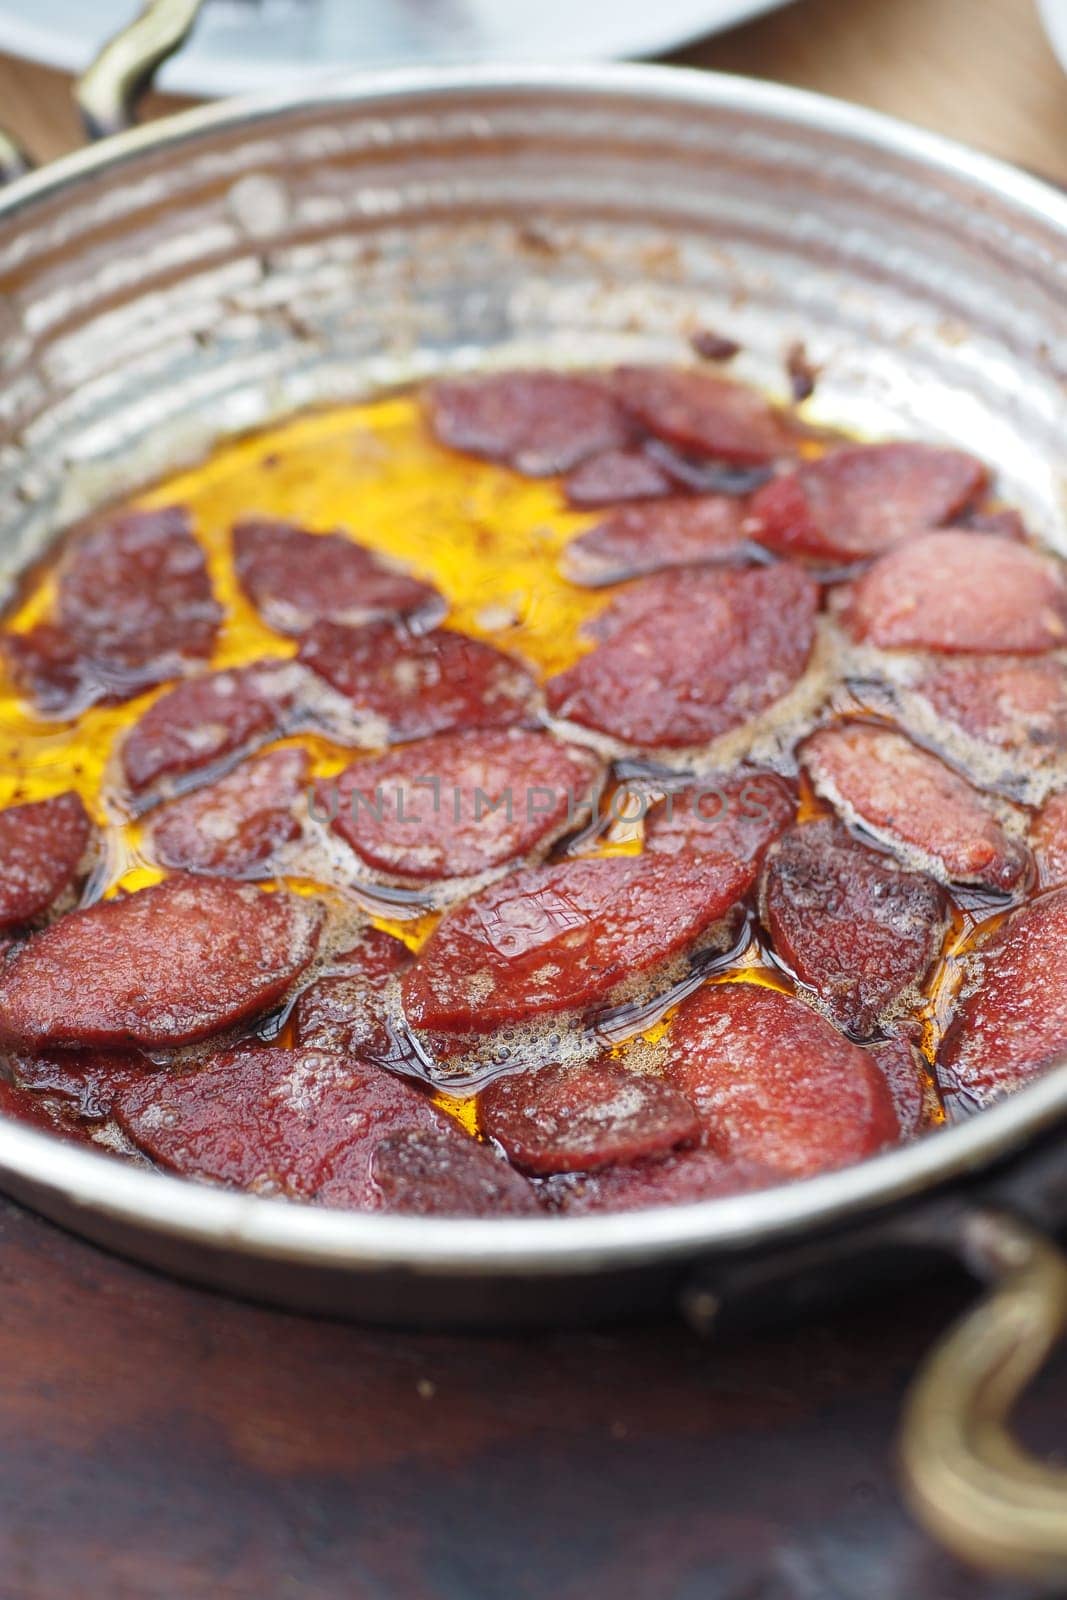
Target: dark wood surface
[[158, 1442]]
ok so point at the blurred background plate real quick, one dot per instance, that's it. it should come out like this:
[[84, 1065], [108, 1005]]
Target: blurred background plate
[[1054, 16], [243, 45]]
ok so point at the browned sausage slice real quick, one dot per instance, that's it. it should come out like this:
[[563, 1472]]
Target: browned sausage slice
[[134, 607], [853, 926], [740, 815], [688, 656], [948, 591], [459, 804], [344, 1010], [911, 800], [42, 845], [579, 1118], [861, 501], [297, 1123], [704, 530], [295, 578], [776, 1085], [540, 423], [418, 684], [565, 938], [614, 477], [235, 827], [694, 411], [162, 967], [206, 722], [424, 1174], [1011, 1025]]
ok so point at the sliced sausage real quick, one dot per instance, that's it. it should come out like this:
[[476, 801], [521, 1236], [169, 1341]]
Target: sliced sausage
[[134, 607], [458, 804], [1048, 841], [688, 656], [950, 592], [418, 684], [235, 827], [295, 578], [579, 1118], [42, 846], [862, 500], [616, 476], [1011, 1024], [913, 802], [853, 926], [87, 1080], [206, 722], [162, 967], [681, 1178], [740, 816], [424, 1174], [704, 530], [1015, 707], [693, 410], [774, 1084], [344, 1010], [540, 423], [566, 938], [297, 1123]]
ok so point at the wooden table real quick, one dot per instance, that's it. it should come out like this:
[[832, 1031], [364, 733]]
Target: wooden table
[[158, 1443]]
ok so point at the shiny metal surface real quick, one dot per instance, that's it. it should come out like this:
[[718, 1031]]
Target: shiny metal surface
[[204, 276]]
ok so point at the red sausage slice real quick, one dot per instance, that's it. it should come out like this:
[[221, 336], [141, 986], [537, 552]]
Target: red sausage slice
[[418, 684], [295, 578], [20, 1105], [134, 607], [297, 1123], [951, 592], [345, 1011], [1018, 707], [566, 938], [459, 804], [162, 967], [863, 500], [910, 1085], [616, 476], [540, 423], [579, 1118], [690, 655], [694, 411], [206, 722], [679, 1179], [776, 1085], [1011, 1026], [679, 532], [234, 827], [738, 816], [41, 848], [1048, 841], [852, 925], [913, 802], [427, 1174], [88, 1079]]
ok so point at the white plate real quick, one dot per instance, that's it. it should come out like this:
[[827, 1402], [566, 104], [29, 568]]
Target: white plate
[[245, 45], [1054, 16]]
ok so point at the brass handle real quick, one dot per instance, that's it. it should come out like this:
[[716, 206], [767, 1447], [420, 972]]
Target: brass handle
[[108, 91], [969, 1482]]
